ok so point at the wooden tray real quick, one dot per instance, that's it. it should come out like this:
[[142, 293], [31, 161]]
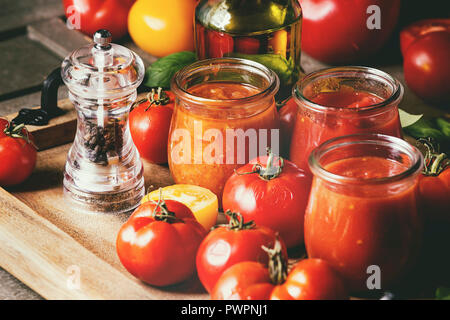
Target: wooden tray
[[46, 244]]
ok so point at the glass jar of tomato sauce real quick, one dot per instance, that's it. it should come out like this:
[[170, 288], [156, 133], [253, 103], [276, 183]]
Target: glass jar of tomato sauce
[[362, 211], [224, 116], [341, 101]]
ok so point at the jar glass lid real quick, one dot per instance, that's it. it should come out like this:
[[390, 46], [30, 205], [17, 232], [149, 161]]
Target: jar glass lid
[[102, 69]]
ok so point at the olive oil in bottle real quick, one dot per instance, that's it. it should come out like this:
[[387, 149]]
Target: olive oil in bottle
[[265, 31]]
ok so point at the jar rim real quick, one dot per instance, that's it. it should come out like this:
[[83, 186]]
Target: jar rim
[[394, 98], [198, 66], [369, 139]]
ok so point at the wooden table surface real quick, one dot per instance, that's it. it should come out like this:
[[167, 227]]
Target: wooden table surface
[[33, 41]]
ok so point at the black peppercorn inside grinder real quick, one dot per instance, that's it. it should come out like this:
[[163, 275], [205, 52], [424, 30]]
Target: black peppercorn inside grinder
[[103, 172]]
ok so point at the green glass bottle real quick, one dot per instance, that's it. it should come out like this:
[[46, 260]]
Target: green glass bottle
[[266, 31]]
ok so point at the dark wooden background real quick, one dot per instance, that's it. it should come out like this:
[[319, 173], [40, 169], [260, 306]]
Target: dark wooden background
[[34, 41]]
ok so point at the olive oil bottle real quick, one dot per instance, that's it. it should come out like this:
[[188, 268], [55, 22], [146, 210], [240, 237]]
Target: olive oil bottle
[[266, 31]]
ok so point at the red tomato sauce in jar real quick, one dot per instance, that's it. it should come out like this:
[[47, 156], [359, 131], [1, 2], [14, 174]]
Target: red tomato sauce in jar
[[341, 101], [311, 129], [213, 175], [354, 227], [223, 90], [346, 97]]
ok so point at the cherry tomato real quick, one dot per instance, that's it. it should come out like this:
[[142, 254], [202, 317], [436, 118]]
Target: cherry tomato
[[219, 44], [426, 67], [159, 241], [434, 184], [150, 124], [228, 245], [92, 15], [17, 154], [288, 115], [162, 27], [336, 31], [311, 279], [421, 28], [272, 192]]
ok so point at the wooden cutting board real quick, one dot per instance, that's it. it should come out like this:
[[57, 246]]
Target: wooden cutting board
[[64, 254]]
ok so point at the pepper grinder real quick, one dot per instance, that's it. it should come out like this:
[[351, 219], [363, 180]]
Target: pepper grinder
[[103, 171]]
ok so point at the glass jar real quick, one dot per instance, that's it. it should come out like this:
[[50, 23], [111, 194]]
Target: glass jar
[[341, 101], [103, 171], [224, 115], [362, 211], [268, 32]]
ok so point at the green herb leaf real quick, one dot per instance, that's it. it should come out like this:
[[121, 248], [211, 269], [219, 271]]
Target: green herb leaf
[[160, 73], [424, 128], [407, 119], [443, 293], [444, 126], [282, 67]]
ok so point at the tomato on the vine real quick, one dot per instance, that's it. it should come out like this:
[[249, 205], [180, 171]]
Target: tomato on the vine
[[313, 279], [337, 31], [434, 184], [426, 67], [17, 153], [273, 192], [150, 124], [310, 279], [159, 242], [229, 244]]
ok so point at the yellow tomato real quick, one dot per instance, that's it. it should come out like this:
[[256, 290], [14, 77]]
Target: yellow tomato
[[162, 27], [201, 201]]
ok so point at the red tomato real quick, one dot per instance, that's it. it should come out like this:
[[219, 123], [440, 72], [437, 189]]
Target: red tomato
[[228, 245], [159, 242], [92, 15], [288, 115], [274, 195], [311, 279], [421, 28], [219, 44], [247, 45], [17, 154], [248, 280], [434, 184], [336, 31], [435, 194], [150, 124], [426, 67]]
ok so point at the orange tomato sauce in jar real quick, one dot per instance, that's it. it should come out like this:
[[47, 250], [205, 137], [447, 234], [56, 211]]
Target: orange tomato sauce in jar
[[218, 126], [334, 103], [362, 212]]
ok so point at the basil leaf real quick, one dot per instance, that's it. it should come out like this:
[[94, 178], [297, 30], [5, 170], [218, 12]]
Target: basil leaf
[[444, 126], [443, 293], [160, 73], [425, 128], [407, 119], [282, 67]]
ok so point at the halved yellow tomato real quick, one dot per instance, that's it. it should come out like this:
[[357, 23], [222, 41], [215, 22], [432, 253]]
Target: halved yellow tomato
[[202, 202], [162, 27]]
